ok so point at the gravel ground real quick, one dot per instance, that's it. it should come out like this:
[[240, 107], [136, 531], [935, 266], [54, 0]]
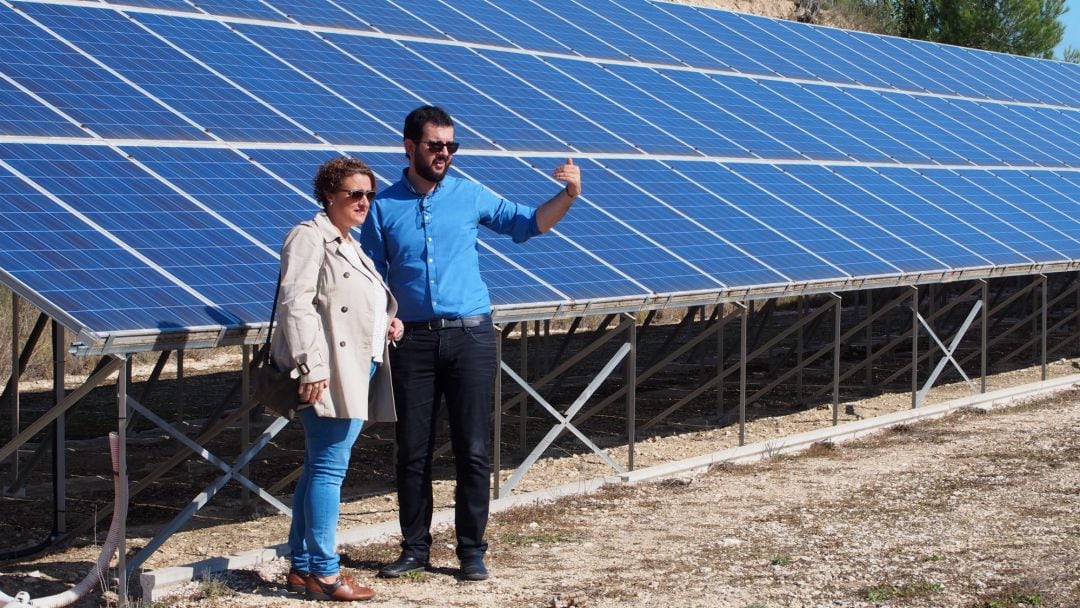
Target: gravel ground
[[979, 510], [975, 510]]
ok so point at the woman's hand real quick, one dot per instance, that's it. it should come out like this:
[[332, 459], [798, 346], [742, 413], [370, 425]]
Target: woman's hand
[[396, 330], [311, 392]]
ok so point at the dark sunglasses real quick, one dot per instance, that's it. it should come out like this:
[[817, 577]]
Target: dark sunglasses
[[435, 146], [359, 194]]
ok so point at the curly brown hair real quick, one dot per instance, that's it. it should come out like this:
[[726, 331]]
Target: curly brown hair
[[333, 172]]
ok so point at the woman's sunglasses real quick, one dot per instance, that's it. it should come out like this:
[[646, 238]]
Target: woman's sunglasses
[[359, 194]]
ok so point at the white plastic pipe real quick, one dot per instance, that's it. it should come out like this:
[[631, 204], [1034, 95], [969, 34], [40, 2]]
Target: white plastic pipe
[[97, 573]]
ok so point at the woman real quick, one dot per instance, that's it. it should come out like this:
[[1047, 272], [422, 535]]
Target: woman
[[336, 317]]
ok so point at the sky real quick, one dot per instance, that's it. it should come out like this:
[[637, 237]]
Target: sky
[[1071, 20]]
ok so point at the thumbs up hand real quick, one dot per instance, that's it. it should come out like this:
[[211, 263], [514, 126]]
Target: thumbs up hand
[[571, 174]]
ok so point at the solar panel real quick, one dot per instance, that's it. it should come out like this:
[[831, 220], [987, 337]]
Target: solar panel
[[722, 153]]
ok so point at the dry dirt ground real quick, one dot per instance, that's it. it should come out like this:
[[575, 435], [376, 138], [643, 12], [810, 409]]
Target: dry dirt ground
[[974, 510]]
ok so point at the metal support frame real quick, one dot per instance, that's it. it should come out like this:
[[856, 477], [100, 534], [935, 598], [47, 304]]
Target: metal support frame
[[744, 321], [230, 472], [836, 359], [59, 436], [122, 571], [566, 422], [948, 353]]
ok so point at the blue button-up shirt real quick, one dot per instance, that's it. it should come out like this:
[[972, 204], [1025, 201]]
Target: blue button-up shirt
[[425, 245]]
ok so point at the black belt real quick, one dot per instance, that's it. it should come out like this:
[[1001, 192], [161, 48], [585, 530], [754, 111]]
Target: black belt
[[436, 324]]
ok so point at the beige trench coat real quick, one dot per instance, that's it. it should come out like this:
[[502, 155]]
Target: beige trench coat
[[325, 320]]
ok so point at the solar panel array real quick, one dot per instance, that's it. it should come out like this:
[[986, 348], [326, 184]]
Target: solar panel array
[[153, 153]]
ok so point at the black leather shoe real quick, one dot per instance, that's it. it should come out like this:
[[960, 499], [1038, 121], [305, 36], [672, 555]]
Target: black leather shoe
[[472, 568], [404, 565]]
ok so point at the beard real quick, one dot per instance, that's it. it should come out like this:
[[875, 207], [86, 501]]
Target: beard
[[430, 174]]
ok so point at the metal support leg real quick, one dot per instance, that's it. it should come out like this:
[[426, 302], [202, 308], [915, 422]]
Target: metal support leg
[[60, 436], [721, 319], [1045, 290], [869, 382], [799, 346], [985, 333], [180, 384], [630, 380], [914, 347], [523, 407], [13, 392], [836, 360], [245, 422], [121, 430], [745, 320]]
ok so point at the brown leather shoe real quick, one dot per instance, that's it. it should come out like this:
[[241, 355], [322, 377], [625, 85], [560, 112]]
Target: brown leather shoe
[[296, 581], [343, 589]]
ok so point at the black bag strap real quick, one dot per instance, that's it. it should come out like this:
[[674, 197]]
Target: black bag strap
[[265, 351]]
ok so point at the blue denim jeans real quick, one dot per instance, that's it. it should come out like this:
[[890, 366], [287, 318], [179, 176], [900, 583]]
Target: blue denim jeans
[[316, 502]]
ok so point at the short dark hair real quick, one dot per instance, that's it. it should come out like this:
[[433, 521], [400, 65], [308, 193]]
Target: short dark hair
[[415, 121], [334, 172]]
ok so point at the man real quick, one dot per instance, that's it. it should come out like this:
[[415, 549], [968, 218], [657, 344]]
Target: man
[[421, 233]]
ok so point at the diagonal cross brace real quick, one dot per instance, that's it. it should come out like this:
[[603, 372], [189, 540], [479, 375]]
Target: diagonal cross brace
[[948, 353], [563, 422], [204, 497], [208, 456]]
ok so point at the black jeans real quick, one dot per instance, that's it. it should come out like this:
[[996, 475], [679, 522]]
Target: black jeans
[[458, 364]]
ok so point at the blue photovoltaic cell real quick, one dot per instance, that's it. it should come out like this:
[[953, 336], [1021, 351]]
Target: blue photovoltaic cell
[[661, 30], [321, 13], [938, 76], [563, 124], [810, 40], [760, 47], [798, 105], [564, 28], [744, 186], [470, 108], [896, 191], [884, 113], [454, 23], [297, 167], [250, 9], [690, 136], [148, 216], [713, 138], [600, 229], [719, 42], [871, 58], [876, 207], [169, 5], [1044, 233], [387, 17], [752, 102], [582, 100], [505, 21], [691, 231], [1041, 124], [379, 95], [858, 234], [606, 28], [1013, 206], [755, 138], [935, 185], [717, 217], [178, 81], [961, 118], [81, 272], [800, 51], [1036, 197], [24, 115], [233, 187], [45, 65], [1064, 189], [328, 114]]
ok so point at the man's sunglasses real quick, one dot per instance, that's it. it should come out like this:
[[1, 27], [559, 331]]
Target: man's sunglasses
[[435, 146], [359, 194]]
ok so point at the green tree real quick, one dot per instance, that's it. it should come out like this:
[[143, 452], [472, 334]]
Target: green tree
[[1020, 27], [1071, 54]]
